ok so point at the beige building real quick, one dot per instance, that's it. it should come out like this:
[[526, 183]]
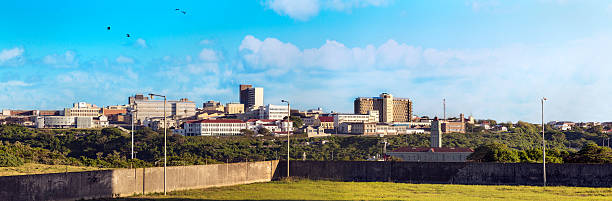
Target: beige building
[[83, 109], [234, 108], [213, 106], [390, 109]]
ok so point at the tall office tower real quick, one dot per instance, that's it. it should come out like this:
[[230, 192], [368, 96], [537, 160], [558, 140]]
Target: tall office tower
[[390, 109], [251, 96], [436, 133]]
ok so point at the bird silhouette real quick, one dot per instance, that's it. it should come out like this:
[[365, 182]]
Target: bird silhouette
[[184, 12], [108, 28], [176, 9], [128, 35]]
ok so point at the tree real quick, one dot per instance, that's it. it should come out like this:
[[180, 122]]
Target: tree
[[247, 132], [494, 152], [297, 121], [591, 153], [264, 131]]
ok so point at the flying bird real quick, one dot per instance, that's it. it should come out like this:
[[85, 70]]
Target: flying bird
[[176, 9], [108, 28], [184, 12], [128, 35]]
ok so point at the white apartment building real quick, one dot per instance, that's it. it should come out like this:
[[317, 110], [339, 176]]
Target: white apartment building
[[212, 127], [273, 112], [83, 109], [155, 108]]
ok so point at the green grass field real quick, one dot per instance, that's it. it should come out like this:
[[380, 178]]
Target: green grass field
[[330, 190], [33, 168]]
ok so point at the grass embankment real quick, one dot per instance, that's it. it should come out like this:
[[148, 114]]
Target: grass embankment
[[329, 190], [33, 168]]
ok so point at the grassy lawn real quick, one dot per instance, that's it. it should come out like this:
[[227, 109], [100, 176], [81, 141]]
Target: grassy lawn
[[329, 190], [33, 168]]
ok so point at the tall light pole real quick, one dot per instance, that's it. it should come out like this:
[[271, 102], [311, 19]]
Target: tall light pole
[[543, 144], [132, 111], [165, 156], [288, 131]]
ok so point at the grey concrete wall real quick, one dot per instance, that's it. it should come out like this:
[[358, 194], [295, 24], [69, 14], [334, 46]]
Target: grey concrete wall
[[122, 182], [591, 175]]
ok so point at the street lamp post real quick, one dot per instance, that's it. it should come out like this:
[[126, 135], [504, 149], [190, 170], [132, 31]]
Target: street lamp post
[[132, 111], [165, 128], [543, 144], [288, 131]]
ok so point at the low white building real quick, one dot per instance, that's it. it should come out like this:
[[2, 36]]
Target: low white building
[[212, 127], [371, 117], [272, 125], [71, 122]]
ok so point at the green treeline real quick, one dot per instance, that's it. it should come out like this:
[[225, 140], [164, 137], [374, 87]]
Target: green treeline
[[109, 147]]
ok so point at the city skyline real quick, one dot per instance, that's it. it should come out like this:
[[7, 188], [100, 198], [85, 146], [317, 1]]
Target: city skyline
[[316, 54]]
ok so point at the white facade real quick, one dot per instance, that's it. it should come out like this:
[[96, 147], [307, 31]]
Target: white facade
[[270, 124], [371, 117], [70, 122], [213, 127], [83, 109], [273, 112]]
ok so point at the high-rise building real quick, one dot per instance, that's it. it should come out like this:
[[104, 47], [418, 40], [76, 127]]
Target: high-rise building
[[251, 97], [390, 109]]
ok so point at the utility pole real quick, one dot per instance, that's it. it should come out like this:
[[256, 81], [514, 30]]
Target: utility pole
[[133, 132], [288, 131], [543, 145]]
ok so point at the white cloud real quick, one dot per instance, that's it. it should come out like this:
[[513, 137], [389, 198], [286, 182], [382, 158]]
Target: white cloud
[[305, 9], [503, 83], [141, 42], [67, 60], [208, 55], [13, 83], [14, 56], [333, 55], [124, 60]]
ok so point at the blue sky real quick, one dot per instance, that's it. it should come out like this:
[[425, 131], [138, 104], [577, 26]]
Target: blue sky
[[491, 59]]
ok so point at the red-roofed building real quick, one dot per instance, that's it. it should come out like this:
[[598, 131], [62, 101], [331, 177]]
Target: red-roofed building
[[326, 122], [212, 127]]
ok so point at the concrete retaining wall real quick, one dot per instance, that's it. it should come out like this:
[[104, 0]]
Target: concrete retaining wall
[[590, 175], [122, 182]]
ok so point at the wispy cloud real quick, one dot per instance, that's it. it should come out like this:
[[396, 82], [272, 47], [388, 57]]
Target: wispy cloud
[[124, 60], [208, 55], [11, 56], [305, 9], [141, 43], [66, 60]]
